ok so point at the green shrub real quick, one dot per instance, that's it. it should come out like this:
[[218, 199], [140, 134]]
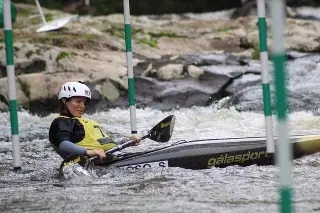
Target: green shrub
[[256, 52], [63, 55], [150, 42]]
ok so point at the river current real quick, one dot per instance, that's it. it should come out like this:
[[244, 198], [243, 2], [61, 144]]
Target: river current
[[38, 187]]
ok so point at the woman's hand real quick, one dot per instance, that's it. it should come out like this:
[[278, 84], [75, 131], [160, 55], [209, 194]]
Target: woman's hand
[[136, 138], [96, 152]]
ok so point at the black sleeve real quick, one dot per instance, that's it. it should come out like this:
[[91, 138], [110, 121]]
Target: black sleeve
[[65, 129]]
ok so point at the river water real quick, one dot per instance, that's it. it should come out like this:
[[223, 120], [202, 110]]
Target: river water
[[38, 187]]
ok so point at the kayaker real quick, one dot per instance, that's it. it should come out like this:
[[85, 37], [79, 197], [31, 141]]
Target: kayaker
[[70, 133]]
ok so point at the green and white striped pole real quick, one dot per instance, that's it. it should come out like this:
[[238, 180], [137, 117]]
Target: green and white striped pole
[[127, 31], [11, 84], [264, 60], [284, 148]]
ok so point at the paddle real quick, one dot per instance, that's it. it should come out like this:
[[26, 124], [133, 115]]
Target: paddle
[[73, 165]]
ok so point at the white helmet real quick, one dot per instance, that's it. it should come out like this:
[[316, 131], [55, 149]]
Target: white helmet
[[71, 89]]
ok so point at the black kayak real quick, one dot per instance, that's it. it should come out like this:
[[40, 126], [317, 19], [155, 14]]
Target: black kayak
[[208, 153]]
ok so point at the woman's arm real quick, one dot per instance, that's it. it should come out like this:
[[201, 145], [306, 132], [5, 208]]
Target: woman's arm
[[71, 148], [67, 147]]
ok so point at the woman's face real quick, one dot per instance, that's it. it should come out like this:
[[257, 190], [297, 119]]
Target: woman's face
[[77, 106]]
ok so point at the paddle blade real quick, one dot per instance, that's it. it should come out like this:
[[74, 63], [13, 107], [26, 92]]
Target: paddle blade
[[163, 130]]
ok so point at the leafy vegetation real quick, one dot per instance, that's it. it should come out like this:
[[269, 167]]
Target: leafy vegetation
[[115, 31], [88, 36], [256, 52], [63, 39], [63, 55], [29, 53], [166, 34], [48, 17], [223, 29], [23, 12], [150, 42]]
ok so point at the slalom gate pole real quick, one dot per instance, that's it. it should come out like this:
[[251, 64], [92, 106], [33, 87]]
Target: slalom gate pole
[[264, 60], [131, 90], [11, 84], [284, 148]]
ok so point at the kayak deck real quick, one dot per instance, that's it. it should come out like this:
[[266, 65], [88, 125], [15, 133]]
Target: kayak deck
[[207, 153]]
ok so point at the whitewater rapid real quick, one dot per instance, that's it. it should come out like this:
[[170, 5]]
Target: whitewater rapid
[[38, 187]]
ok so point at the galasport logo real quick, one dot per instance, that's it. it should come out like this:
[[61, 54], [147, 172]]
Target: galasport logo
[[239, 158]]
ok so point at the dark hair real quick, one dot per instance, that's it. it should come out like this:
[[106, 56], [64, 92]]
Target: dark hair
[[64, 109]]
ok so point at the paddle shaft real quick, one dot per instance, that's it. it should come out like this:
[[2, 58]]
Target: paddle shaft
[[120, 147]]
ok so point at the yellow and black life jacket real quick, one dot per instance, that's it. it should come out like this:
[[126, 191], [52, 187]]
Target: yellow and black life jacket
[[81, 131]]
